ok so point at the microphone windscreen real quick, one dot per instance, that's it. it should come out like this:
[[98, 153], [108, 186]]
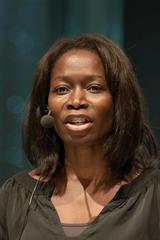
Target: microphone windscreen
[[47, 121]]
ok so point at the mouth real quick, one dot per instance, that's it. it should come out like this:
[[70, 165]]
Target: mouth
[[78, 123]]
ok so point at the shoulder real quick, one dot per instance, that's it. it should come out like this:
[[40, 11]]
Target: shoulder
[[150, 176], [22, 185], [19, 183], [13, 196], [11, 182], [14, 201], [147, 181]]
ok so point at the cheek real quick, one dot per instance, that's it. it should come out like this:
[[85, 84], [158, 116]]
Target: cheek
[[57, 103], [54, 105], [105, 113], [105, 106]]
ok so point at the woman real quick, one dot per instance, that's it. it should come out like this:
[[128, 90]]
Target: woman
[[94, 157]]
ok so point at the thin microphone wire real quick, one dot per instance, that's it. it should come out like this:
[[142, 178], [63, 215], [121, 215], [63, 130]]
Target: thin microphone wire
[[31, 197], [28, 208]]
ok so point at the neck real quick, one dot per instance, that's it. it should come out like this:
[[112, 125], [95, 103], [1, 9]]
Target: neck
[[84, 163]]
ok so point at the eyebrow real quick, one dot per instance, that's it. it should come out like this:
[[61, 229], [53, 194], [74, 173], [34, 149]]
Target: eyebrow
[[88, 78]]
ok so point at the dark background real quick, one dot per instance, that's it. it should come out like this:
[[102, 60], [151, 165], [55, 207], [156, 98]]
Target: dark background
[[142, 44], [29, 27]]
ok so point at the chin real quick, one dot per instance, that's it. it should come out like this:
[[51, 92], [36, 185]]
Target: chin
[[83, 140]]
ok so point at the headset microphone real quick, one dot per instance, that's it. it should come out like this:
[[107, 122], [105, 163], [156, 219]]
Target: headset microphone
[[47, 121]]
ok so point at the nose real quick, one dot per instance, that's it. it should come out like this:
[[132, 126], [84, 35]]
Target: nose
[[77, 100]]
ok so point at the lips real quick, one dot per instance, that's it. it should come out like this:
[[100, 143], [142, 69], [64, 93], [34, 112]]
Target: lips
[[78, 123]]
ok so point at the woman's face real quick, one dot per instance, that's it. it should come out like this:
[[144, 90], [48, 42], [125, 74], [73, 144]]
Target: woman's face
[[79, 98]]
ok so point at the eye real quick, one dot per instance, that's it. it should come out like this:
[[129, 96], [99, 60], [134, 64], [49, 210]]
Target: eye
[[61, 90], [94, 88]]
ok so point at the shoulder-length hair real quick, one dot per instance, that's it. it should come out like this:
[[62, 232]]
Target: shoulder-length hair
[[131, 143]]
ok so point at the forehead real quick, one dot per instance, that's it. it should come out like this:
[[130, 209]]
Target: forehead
[[78, 66], [79, 51], [78, 58]]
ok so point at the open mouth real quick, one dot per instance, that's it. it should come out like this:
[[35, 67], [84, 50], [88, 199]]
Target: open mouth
[[78, 123]]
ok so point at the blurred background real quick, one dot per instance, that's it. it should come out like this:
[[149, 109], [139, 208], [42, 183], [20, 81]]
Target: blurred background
[[29, 27]]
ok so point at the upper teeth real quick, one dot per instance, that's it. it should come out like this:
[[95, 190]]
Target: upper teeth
[[78, 120]]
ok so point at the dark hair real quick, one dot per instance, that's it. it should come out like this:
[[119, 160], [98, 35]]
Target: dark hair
[[130, 145]]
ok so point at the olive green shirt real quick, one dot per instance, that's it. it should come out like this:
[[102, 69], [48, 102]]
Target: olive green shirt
[[133, 214]]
